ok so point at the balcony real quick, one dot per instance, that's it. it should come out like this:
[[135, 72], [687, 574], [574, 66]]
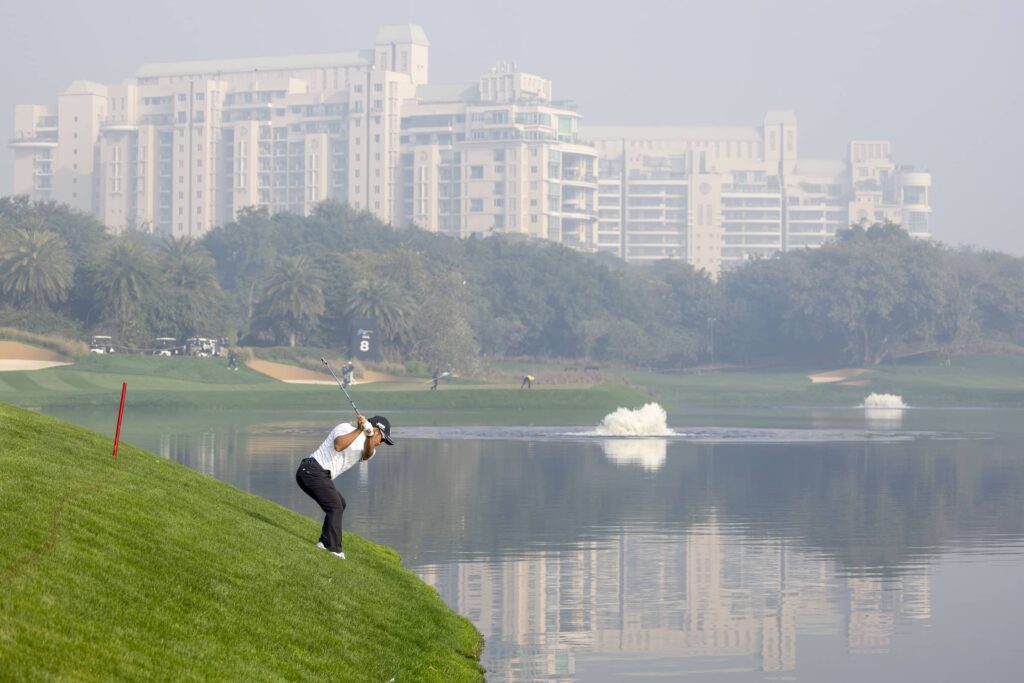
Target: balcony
[[32, 142]]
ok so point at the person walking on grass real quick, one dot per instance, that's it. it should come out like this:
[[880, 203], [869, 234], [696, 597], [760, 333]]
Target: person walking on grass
[[344, 447], [527, 382]]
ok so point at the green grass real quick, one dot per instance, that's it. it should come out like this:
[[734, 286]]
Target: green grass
[[206, 383], [966, 381], [137, 568]]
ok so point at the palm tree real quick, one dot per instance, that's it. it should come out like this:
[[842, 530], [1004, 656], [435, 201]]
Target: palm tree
[[390, 305], [294, 294], [188, 266], [35, 268], [123, 277], [191, 292]]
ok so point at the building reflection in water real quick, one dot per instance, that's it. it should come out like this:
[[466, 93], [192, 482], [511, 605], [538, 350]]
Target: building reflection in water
[[709, 593]]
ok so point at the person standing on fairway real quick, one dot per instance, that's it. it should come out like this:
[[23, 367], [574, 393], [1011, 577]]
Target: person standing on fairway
[[344, 447]]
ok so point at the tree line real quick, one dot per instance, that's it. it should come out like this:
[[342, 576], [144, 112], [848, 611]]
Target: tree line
[[871, 293]]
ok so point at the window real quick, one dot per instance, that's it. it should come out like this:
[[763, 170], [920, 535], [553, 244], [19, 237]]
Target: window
[[476, 204], [476, 172], [499, 155], [378, 87]]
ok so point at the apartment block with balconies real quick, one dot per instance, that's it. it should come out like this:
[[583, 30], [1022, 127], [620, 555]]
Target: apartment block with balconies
[[498, 156], [717, 197]]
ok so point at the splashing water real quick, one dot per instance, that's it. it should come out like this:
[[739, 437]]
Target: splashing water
[[650, 420], [884, 402]]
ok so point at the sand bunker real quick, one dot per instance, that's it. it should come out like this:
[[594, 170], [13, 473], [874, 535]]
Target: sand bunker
[[289, 373], [836, 375], [17, 356], [293, 374]]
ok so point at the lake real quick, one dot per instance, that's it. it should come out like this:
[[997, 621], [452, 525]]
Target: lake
[[787, 544]]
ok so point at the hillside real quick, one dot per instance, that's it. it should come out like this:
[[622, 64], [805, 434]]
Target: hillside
[[138, 568]]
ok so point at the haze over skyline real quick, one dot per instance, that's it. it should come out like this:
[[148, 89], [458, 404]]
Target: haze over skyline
[[936, 80]]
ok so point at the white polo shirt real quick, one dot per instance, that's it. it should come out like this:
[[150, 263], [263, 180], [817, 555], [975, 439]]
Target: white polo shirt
[[339, 461]]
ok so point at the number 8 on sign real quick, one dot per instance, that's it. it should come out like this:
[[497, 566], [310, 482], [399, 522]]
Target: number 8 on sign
[[364, 345]]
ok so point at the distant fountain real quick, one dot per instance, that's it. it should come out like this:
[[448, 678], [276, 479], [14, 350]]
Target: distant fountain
[[650, 420], [884, 410], [884, 402]]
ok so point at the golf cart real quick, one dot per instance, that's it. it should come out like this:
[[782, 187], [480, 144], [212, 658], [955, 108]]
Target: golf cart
[[166, 346], [101, 343], [202, 347]]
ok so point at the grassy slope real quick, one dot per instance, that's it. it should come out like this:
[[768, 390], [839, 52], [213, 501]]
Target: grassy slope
[[138, 568]]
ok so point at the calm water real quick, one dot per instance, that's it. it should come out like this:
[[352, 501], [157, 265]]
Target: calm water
[[791, 544]]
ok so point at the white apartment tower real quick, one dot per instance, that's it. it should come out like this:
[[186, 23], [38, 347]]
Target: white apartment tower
[[499, 156], [185, 146], [717, 197]]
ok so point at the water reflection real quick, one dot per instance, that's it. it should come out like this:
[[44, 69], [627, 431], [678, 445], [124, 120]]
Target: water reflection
[[649, 454], [707, 594], [599, 560]]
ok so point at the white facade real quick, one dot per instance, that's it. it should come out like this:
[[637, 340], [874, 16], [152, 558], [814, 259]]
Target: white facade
[[185, 146], [498, 157], [715, 196]]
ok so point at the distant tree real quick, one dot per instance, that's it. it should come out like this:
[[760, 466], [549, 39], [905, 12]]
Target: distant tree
[[190, 296], [387, 303], [293, 294], [83, 235], [35, 268], [873, 289], [442, 333], [122, 281]]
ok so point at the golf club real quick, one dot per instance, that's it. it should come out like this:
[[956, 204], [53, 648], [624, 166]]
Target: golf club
[[340, 386]]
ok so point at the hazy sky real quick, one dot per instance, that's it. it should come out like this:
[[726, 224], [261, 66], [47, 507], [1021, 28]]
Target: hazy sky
[[941, 80]]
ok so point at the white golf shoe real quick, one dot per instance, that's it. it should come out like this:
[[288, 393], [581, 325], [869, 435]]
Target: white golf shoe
[[321, 546], [341, 555]]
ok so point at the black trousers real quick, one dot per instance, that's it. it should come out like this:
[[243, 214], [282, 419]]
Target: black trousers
[[316, 482]]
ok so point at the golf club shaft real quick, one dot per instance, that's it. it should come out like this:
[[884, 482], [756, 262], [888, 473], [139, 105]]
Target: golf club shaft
[[340, 386]]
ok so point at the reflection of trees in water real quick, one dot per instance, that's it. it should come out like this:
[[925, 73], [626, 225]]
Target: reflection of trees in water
[[872, 506]]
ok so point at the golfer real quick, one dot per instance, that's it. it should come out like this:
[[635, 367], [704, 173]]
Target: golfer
[[344, 447]]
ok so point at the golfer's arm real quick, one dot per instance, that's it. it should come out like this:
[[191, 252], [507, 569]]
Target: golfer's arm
[[345, 440], [368, 449]]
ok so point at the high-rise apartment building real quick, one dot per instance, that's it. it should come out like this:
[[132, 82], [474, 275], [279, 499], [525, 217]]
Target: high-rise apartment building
[[498, 157], [185, 146], [716, 197]]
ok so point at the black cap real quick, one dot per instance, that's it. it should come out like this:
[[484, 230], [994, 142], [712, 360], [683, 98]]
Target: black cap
[[385, 428]]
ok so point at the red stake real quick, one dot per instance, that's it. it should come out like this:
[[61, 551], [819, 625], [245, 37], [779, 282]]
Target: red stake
[[120, 414]]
